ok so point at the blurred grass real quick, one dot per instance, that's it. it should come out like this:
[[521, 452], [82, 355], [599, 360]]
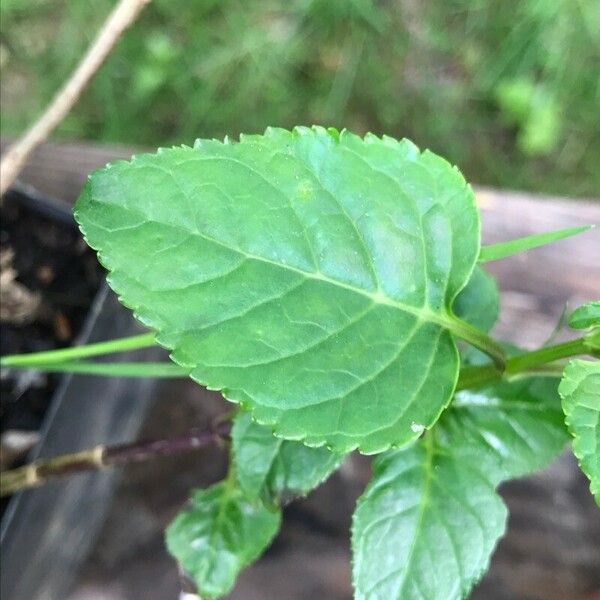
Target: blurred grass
[[509, 91]]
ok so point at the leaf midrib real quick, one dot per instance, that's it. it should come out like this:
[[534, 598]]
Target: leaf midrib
[[223, 502], [427, 465], [270, 471]]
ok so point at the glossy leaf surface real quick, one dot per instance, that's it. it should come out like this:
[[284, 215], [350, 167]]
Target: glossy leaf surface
[[511, 429], [580, 392], [219, 534], [275, 469], [427, 524], [308, 275]]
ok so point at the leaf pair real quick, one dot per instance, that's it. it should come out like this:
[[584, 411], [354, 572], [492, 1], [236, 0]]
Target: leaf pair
[[229, 525], [432, 501]]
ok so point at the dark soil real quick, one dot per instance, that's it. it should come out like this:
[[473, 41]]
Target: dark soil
[[51, 260]]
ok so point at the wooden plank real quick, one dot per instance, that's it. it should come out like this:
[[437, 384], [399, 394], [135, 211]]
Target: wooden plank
[[59, 170]]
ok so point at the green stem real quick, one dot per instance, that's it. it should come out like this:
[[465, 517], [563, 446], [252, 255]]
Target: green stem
[[64, 361], [477, 376], [162, 370], [530, 360], [34, 359], [479, 340]]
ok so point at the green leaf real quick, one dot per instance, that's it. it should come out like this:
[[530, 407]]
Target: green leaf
[[218, 535], [428, 522], [580, 392], [275, 469], [425, 527], [586, 316], [479, 302], [512, 428], [308, 275], [512, 247]]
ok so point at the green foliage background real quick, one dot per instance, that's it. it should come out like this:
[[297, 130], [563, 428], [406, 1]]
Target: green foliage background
[[510, 91]]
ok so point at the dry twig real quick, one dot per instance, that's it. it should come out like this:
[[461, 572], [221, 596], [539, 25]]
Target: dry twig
[[41, 471], [123, 15]]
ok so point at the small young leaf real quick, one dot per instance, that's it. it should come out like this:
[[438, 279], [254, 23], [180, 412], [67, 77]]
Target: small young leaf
[[272, 468], [220, 533], [580, 391], [434, 502], [506, 249], [308, 275], [586, 316], [479, 302], [479, 305], [592, 342]]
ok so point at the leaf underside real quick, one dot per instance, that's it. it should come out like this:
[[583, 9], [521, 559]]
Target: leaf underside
[[427, 524], [219, 534], [308, 275], [580, 392]]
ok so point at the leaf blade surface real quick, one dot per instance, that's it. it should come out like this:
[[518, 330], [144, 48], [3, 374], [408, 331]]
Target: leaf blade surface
[[308, 275], [580, 391], [478, 303], [218, 535], [434, 503], [422, 509], [275, 469]]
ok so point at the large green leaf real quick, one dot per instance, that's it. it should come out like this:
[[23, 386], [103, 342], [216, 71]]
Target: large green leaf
[[218, 535], [580, 391], [428, 522], [308, 275], [275, 469]]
